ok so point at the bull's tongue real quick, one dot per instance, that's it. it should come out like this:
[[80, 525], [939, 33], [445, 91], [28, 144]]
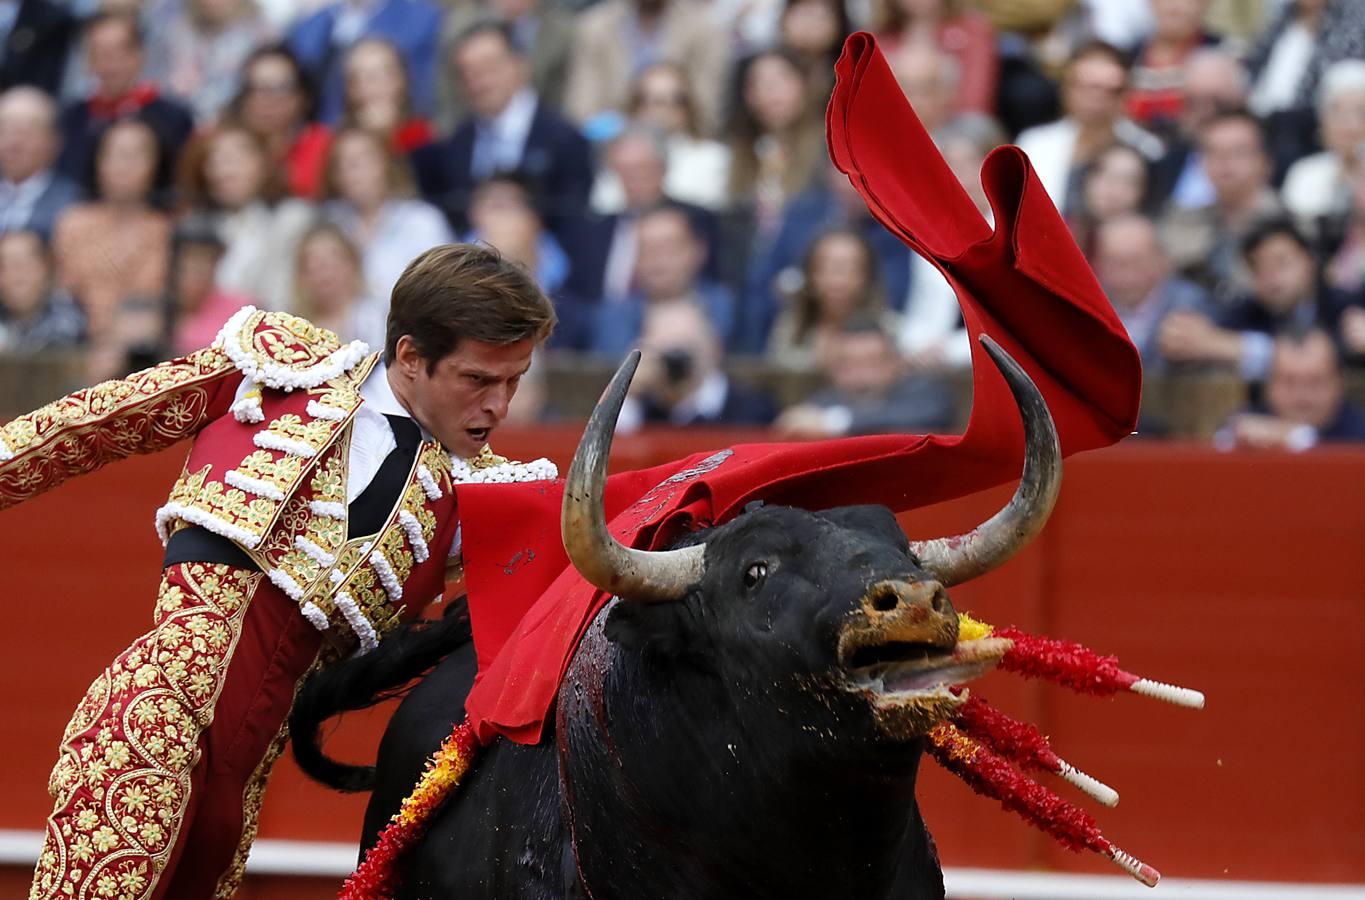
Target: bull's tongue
[[968, 660]]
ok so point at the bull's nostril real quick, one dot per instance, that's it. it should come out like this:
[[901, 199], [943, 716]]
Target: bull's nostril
[[940, 600], [885, 600]]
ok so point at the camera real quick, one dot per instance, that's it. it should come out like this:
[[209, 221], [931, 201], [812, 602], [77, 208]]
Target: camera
[[678, 365]]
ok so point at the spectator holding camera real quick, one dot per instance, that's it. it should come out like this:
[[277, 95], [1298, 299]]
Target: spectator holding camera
[[680, 380]]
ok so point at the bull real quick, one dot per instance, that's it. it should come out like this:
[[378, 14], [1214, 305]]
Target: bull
[[745, 718]]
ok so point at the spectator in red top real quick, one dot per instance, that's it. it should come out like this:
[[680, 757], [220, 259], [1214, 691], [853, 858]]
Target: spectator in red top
[[379, 96], [950, 26], [1158, 72], [276, 104]]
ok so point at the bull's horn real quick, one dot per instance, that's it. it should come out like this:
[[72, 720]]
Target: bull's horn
[[606, 563], [954, 560]]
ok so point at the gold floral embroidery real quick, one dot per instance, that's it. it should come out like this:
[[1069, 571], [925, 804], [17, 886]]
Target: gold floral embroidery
[[287, 340], [123, 780], [278, 469], [314, 433], [145, 412]]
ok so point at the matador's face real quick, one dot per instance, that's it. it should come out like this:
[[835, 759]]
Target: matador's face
[[465, 395]]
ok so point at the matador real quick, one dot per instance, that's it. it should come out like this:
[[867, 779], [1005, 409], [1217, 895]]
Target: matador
[[315, 511]]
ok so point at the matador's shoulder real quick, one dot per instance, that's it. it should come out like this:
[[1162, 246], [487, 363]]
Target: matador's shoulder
[[286, 352]]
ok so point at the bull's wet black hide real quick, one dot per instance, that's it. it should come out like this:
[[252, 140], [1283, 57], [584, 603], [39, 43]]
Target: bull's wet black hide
[[703, 748]]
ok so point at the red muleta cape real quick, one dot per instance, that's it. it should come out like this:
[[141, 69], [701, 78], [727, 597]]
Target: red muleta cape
[[1025, 284]]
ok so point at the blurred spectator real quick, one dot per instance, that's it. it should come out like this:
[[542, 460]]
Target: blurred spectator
[[35, 39], [198, 307], [1158, 71], [1093, 90], [670, 259], [511, 130], [839, 283], [322, 40], [34, 314], [543, 30], [370, 195], [869, 392], [680, 380], [503, 214], [775, 270], [379, 98], [1114, 184], [777, 138], [929, 78], [116, 246], [908, 27], [1305, 400], [815, 30], [275, 102], [1287, 63], [33, 193], [332, 291], [114, 53], [619, 39], [1285, 295], [697, 169], [1213, 82], [1136, 274], [1346, 270], [198, 54], [1319, 185], [1205, 242], [603, 248], [228, 173]]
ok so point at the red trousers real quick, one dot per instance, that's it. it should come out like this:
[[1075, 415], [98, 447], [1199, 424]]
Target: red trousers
[[165, 760]]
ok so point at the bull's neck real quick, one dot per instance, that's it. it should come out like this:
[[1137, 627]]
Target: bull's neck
[[701, 798]]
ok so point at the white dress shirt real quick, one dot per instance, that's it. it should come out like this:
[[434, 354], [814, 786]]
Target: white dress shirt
[[372, 437], [17, 200], [500, 141]]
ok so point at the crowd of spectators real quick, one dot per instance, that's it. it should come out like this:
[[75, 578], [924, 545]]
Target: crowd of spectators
[[660, 166]]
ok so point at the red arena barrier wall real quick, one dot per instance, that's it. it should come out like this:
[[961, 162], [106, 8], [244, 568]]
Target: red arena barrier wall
[[1237, 574]]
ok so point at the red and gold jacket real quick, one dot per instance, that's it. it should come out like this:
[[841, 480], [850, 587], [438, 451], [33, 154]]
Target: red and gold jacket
[[268, 471]]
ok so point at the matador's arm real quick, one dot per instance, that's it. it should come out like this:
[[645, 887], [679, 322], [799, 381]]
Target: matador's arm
[[145, 412]]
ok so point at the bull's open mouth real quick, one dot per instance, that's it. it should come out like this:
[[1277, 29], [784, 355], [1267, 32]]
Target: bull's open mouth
[[896, 671]]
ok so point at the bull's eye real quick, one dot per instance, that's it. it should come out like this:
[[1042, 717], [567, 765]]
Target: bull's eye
[[754, 575]]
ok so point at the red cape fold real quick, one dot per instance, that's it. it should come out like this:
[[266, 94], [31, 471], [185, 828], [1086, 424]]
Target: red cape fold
[[1024, 283]]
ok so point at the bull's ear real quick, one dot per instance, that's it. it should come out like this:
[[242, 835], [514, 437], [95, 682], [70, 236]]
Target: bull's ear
[[875, 521], [660, 629]]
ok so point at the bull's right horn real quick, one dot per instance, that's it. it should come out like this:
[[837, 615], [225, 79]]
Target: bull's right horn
[[649, 576], [953, 560]]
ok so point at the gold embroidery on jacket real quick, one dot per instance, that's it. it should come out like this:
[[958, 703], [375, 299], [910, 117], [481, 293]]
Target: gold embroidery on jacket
[[147, 411], [122, 783]]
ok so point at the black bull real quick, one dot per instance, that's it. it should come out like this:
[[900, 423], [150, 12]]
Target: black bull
[[756, 732]]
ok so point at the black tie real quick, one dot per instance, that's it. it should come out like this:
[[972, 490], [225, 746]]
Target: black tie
[[371, 509]]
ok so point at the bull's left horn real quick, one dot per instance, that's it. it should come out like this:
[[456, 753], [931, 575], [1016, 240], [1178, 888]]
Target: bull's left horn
[[605, 562], [957, 559]]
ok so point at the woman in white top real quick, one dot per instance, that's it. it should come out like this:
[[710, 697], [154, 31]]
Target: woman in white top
[[698, 169], [230, 175], [370, 195], [331, 291], [1320, 185]]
